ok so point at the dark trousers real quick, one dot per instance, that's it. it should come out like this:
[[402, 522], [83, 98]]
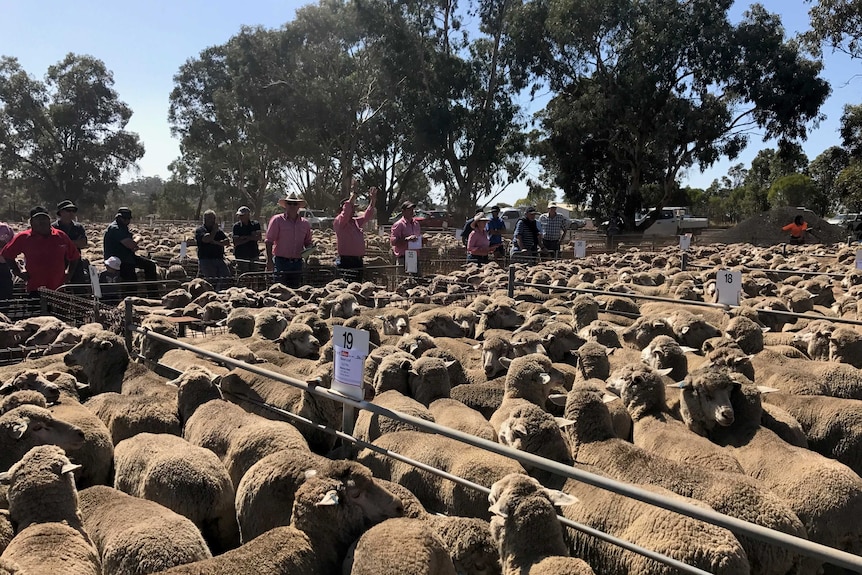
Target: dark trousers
[[128, 273], [288, 271], [351, 267], [477, 259], [214, 271], [552, 246]]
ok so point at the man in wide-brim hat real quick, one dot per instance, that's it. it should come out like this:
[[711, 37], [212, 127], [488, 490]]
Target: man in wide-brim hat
[[286, 237]]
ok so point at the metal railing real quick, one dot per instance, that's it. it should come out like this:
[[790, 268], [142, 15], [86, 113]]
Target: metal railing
[[737, 526]]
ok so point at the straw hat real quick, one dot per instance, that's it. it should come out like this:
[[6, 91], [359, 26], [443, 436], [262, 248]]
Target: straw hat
[[293, 199]]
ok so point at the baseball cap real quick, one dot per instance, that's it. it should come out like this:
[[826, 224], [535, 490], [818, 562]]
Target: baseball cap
[[530, 210], [243, 211], [407, 205], [39, 211], [66, 205], [113, 262], [124, 213], [552, 205], [495, 209]]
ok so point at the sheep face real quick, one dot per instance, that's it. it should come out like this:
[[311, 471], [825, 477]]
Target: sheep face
[[593, 361], [44, 473], [492, 350], [28, 426], [416, 344], [439, 325], [428, 380], [645, 329], [395, 324], [531, 429], [299, 341], [705, 399], [640, 388], [501, 316], [97, 350], [32, 380]]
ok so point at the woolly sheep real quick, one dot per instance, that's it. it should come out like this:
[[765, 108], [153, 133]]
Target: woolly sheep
[[428, 380], [746, 333], [324, 522], [243, 388], [400, 546], [269, 323], [343, 305], [585, 310], [454, 414], [645, 329], [592, 441], [499, 314], [103, 359], [128, 415], [240, 322], [25, 397], [395, 322], [527, 381], [43, 504], [435, 493], [531, 429], [664, 352], [149, 347], [468, 541], [784, 426], [807, 377], [31, 380], [319, 328], [28, 426], [525, 527], [484, 397], [369, 426], [845, 345], [135, 536], [186, 479], [808, 482], [416, 344], [691, 330], [298, 340], [601, 332], [559, 339]]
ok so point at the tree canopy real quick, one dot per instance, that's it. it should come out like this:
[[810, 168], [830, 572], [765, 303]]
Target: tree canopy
[[64, 136]]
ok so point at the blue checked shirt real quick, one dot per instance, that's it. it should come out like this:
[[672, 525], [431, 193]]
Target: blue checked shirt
[[552, 228]]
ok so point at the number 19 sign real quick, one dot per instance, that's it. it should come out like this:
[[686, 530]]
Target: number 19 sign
[[350, 348]]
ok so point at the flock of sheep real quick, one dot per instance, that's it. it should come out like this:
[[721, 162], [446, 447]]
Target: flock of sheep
[[163, 461]]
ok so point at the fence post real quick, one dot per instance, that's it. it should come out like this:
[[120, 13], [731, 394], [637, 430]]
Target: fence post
[[43, 302], [511, 287], [684, 263], [129, 320]]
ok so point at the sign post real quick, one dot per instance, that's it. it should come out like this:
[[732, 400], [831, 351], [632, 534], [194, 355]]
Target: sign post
[[350, 348], [184, 249], [94, 281], [580, 249], [728, 286], [411, 261]]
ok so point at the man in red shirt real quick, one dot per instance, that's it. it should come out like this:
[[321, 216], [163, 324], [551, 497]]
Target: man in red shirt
[[46, 251]]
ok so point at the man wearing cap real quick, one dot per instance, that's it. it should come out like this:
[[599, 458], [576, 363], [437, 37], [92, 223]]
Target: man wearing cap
[[349, 236], [553, 227], [118, 242], [404, 231], [246, 235], [527, 237], [66, 213], [287, 236], [48, 253], [211, 242], [495, 228]]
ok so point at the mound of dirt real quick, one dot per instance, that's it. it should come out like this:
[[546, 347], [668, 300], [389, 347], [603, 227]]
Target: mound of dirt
[[765, 229]]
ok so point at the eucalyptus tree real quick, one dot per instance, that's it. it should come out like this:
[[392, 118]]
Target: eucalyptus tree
[[64, 136], [836, 23], [657, 86]]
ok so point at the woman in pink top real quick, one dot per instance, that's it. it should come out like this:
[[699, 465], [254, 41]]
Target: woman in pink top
[[478, 244], [349, 237]]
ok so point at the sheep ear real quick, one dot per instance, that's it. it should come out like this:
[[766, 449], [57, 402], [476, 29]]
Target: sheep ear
[[560, 498], [549, 338], [69, 468], [6, 388], [19, 428], [765, 389], [765, 329], [309, 473], [608, 398], [5, 478], [450, 363], [664, 371], [315, 380], [678, 385], [329, 498], [615, 385], [687, 349], [82, 386], [406, 365], [495, 510], [413, 372], [558, 398], [506, 362], [563, 422], [546, 379], [685, 329], [519, 430], [477, 346], [609, 350]]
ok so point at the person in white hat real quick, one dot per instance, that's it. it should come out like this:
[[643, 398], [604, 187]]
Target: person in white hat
[[246, 235], [287, 236], [109, 278]]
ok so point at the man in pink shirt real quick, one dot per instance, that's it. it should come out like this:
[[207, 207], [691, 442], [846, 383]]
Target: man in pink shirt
[[404, 231], [286, 237], [349, 237]]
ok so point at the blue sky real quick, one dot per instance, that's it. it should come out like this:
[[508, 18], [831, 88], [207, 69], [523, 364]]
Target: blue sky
[[144, 44]]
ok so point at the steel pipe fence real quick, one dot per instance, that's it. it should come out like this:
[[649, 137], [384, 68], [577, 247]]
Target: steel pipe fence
[[737, 526]]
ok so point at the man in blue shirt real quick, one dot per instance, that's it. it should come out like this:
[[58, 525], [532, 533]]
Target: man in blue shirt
[[495, 228]]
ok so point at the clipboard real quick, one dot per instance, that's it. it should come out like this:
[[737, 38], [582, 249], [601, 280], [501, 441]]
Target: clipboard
[[307, 251]]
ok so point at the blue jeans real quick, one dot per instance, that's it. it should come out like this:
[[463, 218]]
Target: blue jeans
[[288, 271]]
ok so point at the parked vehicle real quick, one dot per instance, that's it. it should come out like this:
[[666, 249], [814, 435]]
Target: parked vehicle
[[312, 217], [845, 220], [670, 222], [510, 217], [433, 219]]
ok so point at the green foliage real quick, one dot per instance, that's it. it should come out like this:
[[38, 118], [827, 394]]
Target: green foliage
[[849, 186], [824, 171], [65, 137], [792, 190], [836, 23]]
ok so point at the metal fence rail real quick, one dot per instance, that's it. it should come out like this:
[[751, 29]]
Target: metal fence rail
[[803, 546]]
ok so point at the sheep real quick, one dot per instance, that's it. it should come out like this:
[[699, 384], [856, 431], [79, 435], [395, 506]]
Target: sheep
[[395, 322], [319, 328], [435, 493], [269, 323], [43, 504], [785, 426], [24, 397], [808, 482], [243, 388], [135, 536], [494, 348], [365, 324], [468, 541], [645, 329], [298, 340], [416, 344], [746, 333], [128, 415], [186, 479], [664, 352], [324, 522], [484, 397], [529, 428], [807, 377], [527, 381], [559, 339], [585, 310], [400, 546], [369, 426], [343, 305], [499, 314], [691, 330], [642, 392], [845, 345], [526, 529], [103, 359], [30, 380], [237, 437], [148, 347], [593, 442], [452, 413], [428, 380], [28, 426], [392, 372], [240, 322]]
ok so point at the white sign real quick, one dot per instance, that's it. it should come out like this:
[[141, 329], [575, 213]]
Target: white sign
[[685, 242], [411, 262], [415, 244], [94, 281], [859, 259], [728, 286], [184, 248], [381, 231], [580, 249], [350, 348], [458, 232]]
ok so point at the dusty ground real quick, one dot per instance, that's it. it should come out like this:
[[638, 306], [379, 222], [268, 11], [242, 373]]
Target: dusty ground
[[765, 229]]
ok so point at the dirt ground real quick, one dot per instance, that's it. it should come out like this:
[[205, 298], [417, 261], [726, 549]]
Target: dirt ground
[[765, 229]]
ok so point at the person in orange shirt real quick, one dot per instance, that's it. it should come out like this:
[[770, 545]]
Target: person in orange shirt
[[797, 230]]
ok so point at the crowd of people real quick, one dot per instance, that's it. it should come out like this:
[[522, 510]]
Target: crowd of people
[[52, 250]]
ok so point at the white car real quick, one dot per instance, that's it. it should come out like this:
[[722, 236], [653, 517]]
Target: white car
[[510, 217], [312, 218]]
